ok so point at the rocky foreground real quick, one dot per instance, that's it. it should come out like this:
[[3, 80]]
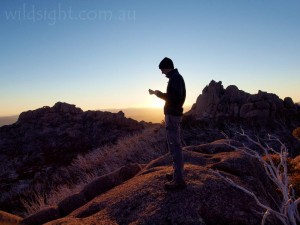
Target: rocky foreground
[[208, 198]]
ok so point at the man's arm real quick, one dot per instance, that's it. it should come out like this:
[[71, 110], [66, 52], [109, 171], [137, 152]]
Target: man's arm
[[158, 94], [161, 95]]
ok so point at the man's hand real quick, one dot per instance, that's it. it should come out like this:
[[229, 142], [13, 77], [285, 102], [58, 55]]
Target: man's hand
[[156, 92], [151, 92]]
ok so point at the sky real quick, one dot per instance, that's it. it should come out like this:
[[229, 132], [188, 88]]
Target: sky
[[104, 54]]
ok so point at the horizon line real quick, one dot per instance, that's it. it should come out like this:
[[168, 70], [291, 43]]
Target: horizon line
[[102, 109]]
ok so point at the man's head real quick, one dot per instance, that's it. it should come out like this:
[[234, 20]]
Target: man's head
[[166, 65]]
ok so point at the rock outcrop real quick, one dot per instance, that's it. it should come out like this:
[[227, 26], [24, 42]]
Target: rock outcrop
[[45, 139], [64, 128], [207, 200], [227, 110], [219, 103]]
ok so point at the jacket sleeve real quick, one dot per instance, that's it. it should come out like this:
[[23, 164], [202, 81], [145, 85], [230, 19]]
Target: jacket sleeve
[[162, 95], [175, 92]]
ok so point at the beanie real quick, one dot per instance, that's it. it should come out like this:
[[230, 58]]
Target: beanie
[[166, 63]]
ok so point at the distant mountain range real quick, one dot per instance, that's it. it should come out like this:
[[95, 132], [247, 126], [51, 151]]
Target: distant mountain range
[[154, 115], [6, 120]]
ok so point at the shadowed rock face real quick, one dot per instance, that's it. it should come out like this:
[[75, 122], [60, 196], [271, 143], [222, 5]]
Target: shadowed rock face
[[208, 199], [50, 137], [218, 103]]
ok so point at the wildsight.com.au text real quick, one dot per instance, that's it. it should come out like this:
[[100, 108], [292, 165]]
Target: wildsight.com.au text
[[60, 13]]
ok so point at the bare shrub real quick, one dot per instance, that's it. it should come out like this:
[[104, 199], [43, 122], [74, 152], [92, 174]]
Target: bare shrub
[[277, 171]]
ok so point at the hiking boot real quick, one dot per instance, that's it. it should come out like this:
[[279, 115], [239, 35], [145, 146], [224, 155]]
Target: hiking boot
[[169, 176], [173, 186]]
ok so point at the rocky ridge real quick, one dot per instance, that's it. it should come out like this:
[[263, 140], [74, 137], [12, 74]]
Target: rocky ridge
[[229, 110]]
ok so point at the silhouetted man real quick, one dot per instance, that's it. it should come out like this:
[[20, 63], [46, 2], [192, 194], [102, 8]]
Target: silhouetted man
[[173, 109]]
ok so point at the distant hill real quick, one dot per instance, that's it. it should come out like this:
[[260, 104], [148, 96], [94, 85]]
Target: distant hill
[[7, 120], [154, 115]]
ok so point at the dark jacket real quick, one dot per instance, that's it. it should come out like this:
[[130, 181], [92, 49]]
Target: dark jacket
[[175, 95]]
